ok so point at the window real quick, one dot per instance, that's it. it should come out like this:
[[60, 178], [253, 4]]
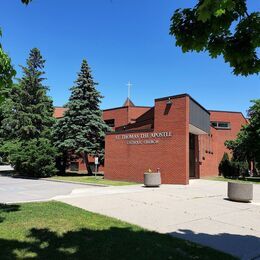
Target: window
[[110, 122], [214, 124], [74, 166], [220, 125]]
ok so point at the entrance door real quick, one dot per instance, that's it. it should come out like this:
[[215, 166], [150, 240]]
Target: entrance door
[[192, 156]]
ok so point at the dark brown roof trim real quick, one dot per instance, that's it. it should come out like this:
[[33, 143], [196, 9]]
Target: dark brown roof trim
[[224, 111], [129, 131], [124, 107], [183, 95]]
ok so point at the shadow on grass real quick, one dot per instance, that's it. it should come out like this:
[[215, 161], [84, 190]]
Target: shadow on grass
[[80, 174], [5, 208], [114, 243]]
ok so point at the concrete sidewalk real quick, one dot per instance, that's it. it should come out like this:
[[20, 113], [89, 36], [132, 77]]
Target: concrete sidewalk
[[197, 212]]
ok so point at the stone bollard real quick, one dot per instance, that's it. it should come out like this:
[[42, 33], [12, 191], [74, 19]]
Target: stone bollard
[[242, 192], [152, 179]]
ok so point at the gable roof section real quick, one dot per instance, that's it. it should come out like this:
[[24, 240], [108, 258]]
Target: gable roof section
[[128, 103]]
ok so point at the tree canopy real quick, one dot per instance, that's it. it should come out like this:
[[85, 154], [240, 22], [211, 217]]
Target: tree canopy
[[83, 124], [222, 27], [27, 120], [247, 145], [28, 110], [7, 71], [26, 1]]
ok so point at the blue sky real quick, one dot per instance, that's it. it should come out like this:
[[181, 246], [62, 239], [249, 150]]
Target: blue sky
[[122, 40]]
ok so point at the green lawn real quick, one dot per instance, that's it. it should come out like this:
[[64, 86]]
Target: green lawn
[[53, 230], [221, 178], [92, 179]]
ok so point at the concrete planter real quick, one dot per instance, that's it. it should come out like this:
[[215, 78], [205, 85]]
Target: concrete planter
[[152, 179], [240, 191]]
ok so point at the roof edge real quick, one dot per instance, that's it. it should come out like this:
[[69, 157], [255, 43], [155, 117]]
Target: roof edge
[[225, 111], [183, 95]]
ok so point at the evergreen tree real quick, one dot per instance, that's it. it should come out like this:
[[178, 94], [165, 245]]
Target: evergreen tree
[[27, 122], [83, 124], [59, 136], [225, 166], [28, 110]]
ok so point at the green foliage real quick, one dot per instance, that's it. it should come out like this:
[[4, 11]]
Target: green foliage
[[246, 147], [7, 72], [232, 168], [26, 1], [208, 27], [82, 130], [225, 166], [34, 157], [27, 120], [28, 110]]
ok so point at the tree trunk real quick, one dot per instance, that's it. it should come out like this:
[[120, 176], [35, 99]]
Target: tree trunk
[[64, 162], [85, 156], [254, 168], [249, 165], [61, 163]]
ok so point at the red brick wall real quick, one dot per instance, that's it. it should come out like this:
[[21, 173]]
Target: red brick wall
[[135, 112], [129, 162], [59, 112], [120, 115], [207, 154], [215, 143]]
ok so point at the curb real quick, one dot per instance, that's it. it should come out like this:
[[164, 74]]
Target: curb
[[76, 182], [62, 181]]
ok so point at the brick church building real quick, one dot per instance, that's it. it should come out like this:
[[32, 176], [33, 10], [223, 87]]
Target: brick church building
[[177, 135]]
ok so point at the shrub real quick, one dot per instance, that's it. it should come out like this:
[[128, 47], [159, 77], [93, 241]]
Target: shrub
[[239, 168], [35, 158], [232, 168], [224, 167]]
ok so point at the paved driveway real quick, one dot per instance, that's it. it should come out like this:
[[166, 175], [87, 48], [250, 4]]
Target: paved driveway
[[197, 212], [13, 190]]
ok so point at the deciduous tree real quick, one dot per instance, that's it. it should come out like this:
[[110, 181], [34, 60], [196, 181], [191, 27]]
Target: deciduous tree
[[246, 147], [222, 27]]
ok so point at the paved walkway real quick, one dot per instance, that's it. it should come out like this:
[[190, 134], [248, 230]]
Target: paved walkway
[[14, 190], [197, 212]]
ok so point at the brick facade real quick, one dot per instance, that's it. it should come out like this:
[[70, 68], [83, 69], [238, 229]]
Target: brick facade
[[129, 151], [212, 147]]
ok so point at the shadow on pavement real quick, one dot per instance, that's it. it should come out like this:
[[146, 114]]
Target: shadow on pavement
[[242, 246]]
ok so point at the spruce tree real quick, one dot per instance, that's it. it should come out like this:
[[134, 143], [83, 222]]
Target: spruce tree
[[26, 128], [29, 111], [85, 128]]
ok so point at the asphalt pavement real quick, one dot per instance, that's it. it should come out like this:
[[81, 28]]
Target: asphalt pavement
[[14, 190]]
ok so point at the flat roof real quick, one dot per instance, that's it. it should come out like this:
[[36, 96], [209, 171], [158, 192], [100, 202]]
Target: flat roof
[[225, 111], [183, 95], [125, 107]]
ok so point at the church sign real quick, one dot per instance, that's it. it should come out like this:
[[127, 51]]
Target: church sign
[[143, 138]]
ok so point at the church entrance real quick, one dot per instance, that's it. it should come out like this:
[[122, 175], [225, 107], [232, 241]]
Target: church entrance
[[192, 156]]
